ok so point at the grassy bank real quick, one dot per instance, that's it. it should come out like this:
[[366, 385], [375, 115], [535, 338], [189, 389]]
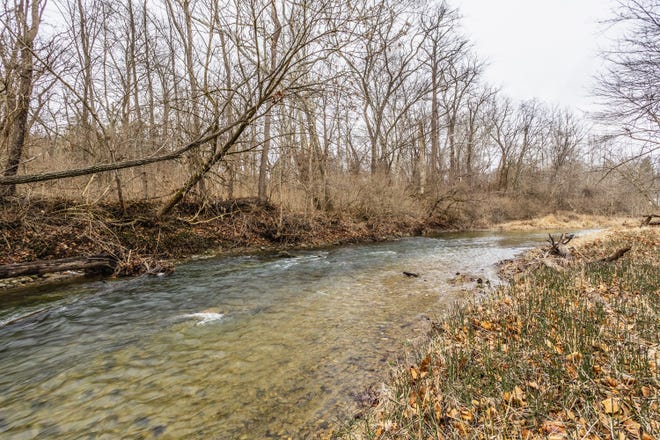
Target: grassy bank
[[564, 221], [560, 353]]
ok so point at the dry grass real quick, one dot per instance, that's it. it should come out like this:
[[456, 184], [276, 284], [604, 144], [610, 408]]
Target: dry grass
[[565, 221], [570, 354]]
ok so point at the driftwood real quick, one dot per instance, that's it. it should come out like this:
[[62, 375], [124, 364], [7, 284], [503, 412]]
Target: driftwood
[[95, 264], [558, 247], [648, 220], [615, 256], [547, 262]]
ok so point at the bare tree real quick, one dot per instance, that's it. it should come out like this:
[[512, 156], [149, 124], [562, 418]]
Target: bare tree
[[21, 20], [442, 49], [273, 38], [630, 86], [385, 61]]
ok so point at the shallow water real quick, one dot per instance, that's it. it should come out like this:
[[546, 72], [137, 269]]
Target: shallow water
[[242, 347]]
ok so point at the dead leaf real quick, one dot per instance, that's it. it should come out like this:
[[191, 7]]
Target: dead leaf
[[467, 415], [454, 414], [486, 325], [551, 426], [462, 428], [574, 357], [646, 391], [424, 365], [633, 428], [610, 382], [601, 346], [526, 434], [611, 405], [437, 408]]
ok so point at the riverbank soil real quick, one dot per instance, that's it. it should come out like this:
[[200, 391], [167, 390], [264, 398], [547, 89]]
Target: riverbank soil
[[142, 243], [567, 350], [139, 242]]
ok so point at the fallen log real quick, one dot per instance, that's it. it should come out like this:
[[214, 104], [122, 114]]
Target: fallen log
[[102, 263], [615, 256], [648, 220]]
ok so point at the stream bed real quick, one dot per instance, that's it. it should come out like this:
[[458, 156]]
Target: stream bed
[[260, 346]]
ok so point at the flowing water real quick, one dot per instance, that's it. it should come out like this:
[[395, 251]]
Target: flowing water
[[241, 347]]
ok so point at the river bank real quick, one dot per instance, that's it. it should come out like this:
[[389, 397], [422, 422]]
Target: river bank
[[140, 243], [566, 350]]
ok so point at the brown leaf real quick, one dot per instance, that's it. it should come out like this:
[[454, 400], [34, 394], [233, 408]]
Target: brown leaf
[[633, 428], [486, 325], [454, 414], [533, 385], [424, 365], [554, 427], [610, 382], [467, 415], [526, 434], [646, 391], [611, 405], [437, 409], [574, 357]]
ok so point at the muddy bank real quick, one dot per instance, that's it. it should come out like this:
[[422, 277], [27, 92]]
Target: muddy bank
[[141, 243]]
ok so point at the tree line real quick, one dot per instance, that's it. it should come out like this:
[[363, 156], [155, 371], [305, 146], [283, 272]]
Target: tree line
[[306, 100]]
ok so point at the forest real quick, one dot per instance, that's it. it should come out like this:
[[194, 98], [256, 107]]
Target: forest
[[371, 108], [355, 213]]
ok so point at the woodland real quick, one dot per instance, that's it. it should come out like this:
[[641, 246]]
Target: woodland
[[372, 109], [134, 133]]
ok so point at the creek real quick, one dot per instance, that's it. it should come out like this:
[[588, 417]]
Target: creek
[[260, 346]]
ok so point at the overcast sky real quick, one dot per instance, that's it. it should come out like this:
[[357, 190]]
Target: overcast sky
[[539, 48]]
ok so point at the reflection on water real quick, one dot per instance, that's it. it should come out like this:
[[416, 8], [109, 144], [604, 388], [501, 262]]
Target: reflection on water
[[246, 347]]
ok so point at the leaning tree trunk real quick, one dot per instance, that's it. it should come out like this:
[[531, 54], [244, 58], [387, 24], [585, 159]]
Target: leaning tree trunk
[[201, 172]]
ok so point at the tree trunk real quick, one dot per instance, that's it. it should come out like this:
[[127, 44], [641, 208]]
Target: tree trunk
[[18, 130], [263, 164]]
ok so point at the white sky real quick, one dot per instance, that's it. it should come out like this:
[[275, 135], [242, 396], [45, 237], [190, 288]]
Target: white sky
[[544, 49]]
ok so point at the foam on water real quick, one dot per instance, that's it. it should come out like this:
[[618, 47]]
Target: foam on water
[[204, 317]]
